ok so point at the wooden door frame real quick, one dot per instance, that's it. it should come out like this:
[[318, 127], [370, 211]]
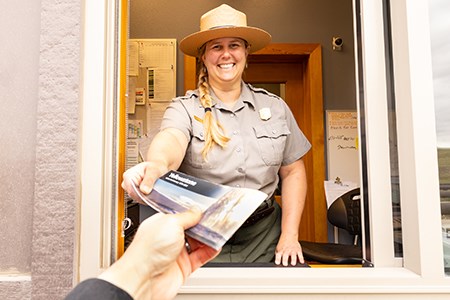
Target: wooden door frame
[[313, 116]]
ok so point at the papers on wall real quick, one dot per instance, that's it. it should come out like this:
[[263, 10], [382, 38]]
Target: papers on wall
[[342, 145], [131, 104], [157, 57], [155, 113], [144, 145], [133, 58], [135, 129], [151, 87], [132, 157], [157, 53], [131, 96], [154, 81], [334, 189], [160, 85], [139, 93]]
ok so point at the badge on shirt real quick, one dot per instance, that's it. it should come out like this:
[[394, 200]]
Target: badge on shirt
[[265, 114]]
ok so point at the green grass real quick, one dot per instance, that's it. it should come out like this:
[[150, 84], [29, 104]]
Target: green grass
[[444, 173], [444, 165]]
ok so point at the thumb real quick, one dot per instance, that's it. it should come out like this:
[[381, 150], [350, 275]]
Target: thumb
[[189, 218]]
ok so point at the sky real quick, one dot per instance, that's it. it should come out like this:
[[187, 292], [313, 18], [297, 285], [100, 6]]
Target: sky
[[440, 49]]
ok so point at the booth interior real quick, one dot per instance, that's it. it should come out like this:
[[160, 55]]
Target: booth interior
[[158, 71]]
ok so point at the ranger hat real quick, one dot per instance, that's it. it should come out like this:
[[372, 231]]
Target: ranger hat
[[224, 21]]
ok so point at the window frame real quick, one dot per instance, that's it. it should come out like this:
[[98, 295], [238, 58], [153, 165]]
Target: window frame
[[421, 271], [99, 88]]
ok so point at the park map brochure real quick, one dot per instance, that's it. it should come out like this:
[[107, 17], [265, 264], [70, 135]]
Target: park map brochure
[[224, 208]]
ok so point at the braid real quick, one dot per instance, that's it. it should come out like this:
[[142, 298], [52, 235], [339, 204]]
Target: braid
[[214, 132]]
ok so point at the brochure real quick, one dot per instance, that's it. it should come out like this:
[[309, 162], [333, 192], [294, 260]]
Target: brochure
[[224, 208]]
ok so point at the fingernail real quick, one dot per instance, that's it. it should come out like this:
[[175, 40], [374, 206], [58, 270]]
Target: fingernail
[[145, 189]]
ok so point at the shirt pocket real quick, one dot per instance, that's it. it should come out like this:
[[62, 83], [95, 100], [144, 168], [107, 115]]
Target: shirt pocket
[[271, 140], [193, 155]]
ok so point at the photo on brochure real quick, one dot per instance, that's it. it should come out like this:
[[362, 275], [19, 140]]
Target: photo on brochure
[[224, 208]]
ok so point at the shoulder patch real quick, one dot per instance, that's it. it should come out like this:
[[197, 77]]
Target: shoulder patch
[[262, 91], [189, 94]]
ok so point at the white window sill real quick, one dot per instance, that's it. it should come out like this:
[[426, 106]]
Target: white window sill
[[311, 281]]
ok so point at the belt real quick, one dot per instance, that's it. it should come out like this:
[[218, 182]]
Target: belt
[[263, 211]]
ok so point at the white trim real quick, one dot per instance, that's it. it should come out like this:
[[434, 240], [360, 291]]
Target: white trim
[[109, 180], [377, 134], [97, 84], [314, 280], [418, 166]]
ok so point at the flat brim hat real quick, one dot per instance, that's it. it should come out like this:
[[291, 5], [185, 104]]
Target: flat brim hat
[[224, 21]]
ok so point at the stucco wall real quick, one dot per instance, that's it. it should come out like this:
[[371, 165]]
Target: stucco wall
[[56, 149], [39, 82], [19, 59]]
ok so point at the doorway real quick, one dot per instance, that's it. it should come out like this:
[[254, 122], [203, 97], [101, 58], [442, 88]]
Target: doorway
[[298, 67]]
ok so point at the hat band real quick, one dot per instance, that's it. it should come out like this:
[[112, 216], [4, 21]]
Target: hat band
[[222, 26]]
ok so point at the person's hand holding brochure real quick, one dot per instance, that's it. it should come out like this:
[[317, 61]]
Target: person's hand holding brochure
[[224, 208]]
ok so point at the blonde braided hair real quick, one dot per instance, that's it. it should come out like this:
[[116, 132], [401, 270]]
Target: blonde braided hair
[[214, 131]]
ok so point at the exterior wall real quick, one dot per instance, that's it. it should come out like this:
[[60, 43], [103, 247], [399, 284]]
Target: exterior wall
[[56, 150], [19, 61], [38, 164]]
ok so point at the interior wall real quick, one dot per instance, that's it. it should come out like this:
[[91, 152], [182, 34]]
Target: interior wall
[[289, 21]]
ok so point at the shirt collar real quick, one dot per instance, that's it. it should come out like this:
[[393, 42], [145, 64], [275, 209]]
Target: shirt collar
[[246, 96]]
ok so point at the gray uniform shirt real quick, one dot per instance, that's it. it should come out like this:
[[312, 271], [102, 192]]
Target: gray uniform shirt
[[260, 142]]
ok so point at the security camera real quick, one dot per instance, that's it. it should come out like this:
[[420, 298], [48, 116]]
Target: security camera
[[337, 43]]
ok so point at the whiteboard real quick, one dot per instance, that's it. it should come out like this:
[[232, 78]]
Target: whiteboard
[[342, 145]]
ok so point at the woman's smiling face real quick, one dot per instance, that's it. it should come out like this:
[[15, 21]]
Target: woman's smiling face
[[225, 59]]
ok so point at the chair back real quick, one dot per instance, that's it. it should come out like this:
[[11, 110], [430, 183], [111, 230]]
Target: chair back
[[345, 212]]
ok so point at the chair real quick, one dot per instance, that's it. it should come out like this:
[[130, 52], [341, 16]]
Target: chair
[[344, 213]]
